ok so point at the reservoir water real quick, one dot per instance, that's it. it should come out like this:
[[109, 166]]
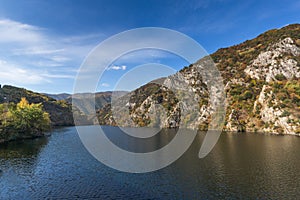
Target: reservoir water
[[241, 166]]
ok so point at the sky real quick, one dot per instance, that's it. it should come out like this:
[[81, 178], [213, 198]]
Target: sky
[[44, 43]]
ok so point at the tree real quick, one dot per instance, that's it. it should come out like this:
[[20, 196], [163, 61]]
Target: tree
[[30, 118]]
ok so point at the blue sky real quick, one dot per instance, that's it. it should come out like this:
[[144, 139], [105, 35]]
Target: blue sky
[[43, 43]]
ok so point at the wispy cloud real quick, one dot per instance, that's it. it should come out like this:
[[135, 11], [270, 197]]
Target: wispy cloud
[[31, 55], [12, 74], [58, 76], [12, 31], [34, 55], [105, 85], [140, 40], [143, 56], [37, 51], [117, 67]]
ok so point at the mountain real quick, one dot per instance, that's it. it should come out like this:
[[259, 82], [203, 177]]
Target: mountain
[[59, 106], [262, 85], [84, 100], [60, 111], [87, 103], [61, 96], [101, 98], [84, 103]]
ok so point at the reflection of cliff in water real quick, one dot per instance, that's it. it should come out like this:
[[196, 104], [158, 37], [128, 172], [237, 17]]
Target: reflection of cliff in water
[[20, 157], [22, 149]]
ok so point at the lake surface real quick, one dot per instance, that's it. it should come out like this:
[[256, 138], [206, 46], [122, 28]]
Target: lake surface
[[241, 166]]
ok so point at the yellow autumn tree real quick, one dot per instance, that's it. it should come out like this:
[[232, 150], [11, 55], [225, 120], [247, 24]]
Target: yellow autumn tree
[[30, 118]]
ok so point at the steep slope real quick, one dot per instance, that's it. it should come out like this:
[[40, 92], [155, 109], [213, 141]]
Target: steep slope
[[262, 85], [60, 111]]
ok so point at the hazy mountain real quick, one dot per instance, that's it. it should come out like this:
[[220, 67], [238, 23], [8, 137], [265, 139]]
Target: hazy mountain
[[61, 96], [101, 98], [83, 102]]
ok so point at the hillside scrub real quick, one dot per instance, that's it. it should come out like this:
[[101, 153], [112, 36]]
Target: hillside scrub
[[22, 120]]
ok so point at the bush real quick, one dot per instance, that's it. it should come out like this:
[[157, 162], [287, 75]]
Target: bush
[[280, 77], [23, 120], [247, 95], [285, 114]]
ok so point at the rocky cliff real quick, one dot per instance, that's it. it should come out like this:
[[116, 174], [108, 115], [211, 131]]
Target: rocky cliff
[[261, 78]]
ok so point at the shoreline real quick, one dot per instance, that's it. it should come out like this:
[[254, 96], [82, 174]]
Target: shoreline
[[44, 134], [48, 133]]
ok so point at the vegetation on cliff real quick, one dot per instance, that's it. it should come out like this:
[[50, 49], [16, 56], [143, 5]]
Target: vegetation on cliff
[[60, 111], [22, 120], [261, 78]]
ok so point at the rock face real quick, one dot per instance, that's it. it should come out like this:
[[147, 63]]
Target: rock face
[[274, 61], [261, 78], [273, 115]]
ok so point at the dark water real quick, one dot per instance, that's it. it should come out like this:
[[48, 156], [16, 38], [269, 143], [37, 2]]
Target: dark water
[[241, 166]]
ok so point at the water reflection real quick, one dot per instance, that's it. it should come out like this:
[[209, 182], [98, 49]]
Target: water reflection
[[139, 145], [22, 149], [20, 157], [18, 161], [241, 166]]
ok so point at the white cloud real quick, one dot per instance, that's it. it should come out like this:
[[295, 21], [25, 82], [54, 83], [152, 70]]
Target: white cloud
[[12, 31], [11, 74], [38, 56], [58, 76], [79, 39], [143, 43], [44, 64], [34, 42], [37, 51], [59, 58], [144, 56], [30, 55], [105, 85], [117, 67]]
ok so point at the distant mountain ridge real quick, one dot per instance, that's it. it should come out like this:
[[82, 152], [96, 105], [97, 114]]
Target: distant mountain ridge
[[84, 102], [61, 96], [59, 106]]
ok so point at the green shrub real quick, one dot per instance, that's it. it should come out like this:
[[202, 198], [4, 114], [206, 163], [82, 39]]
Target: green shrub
[[247, 95], [285, 113], [280, 77]]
